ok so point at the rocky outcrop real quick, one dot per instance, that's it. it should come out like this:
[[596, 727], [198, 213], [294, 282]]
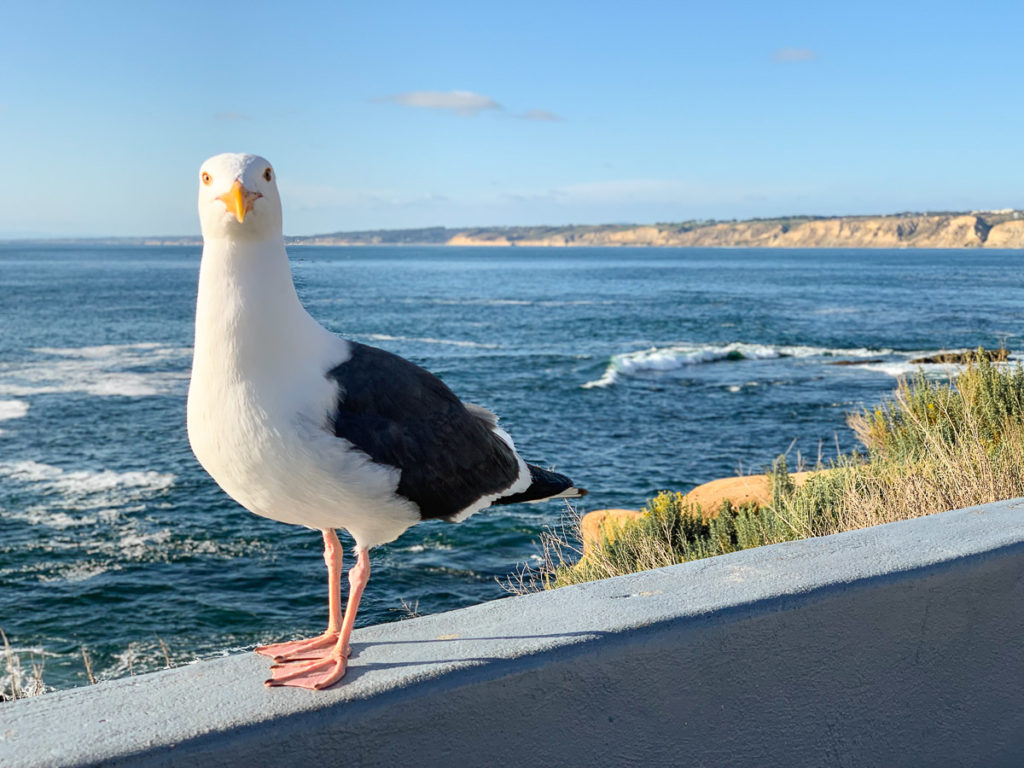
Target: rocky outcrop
[[1009, 234], [462, 239], [964, 357], [604, 523], [746, 489]]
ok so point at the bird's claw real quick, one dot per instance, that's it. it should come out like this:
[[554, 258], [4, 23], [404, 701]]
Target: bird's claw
[[314, 675], [300, 650]]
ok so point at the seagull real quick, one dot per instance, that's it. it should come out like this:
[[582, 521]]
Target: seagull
[[302, 426]]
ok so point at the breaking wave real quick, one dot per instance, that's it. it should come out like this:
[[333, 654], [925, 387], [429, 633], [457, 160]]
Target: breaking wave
[[129, 370], [70, 493], [12, 409], [430, 340], [660, 359], [75, 525]]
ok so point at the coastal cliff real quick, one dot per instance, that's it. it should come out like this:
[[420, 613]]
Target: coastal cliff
[[977, 229]]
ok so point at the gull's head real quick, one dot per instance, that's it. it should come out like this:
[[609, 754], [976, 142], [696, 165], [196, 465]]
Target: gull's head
[[238, 198]]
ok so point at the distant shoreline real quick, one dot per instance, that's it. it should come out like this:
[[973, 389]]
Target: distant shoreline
[[975, 229]]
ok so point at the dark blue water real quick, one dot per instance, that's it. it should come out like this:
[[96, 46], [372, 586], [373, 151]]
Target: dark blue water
[[633, 370]]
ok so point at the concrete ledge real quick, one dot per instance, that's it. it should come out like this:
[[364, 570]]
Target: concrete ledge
[[897, 645]]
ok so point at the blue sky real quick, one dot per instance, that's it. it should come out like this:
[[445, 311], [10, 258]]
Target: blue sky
[[388, 114]]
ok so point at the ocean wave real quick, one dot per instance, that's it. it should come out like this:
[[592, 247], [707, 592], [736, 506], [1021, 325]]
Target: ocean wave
[[79, 571], [12, 409], [904, 368], [96, 519], [660, 359], [576, 303], [106, 351], [84, 489], [430, 340], [426, 547], [103, 371], [473, 302], [480, 302], [837, 311]]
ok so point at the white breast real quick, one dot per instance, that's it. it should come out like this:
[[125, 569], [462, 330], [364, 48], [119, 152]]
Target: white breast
[[259, 404]]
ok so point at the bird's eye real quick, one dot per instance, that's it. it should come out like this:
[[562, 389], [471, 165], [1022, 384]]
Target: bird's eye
[[266, 174], [207, 178]]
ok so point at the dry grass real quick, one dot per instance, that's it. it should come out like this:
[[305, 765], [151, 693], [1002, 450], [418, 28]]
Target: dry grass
[[16, 683], [932, 447], [87, 660], [19, 682]]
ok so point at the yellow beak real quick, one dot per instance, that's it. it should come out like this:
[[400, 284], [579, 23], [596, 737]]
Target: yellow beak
[[239, 200]]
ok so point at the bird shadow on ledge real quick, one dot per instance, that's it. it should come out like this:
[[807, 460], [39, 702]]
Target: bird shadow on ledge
[[595, 633], [357, 671]]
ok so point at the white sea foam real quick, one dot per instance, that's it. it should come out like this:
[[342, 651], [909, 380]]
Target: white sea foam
[[416, 548], [904, 368], [80, 571], [12, 409], [477, 302], [672, 358], [94, 514], [480, 302], [102, 371], [574, 303], [81, 490], [837, 311], [430, 340], [56, 519], [676, 357], [133, 544], [609, 377]]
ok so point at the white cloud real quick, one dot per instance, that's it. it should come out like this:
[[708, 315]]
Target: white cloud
[[632, 190], [795, 54], [640, 200], [321, 197], [461, 103], [610, 194], [540, 115]]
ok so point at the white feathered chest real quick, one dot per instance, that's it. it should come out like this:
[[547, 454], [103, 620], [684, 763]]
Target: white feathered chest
[[259, 402]]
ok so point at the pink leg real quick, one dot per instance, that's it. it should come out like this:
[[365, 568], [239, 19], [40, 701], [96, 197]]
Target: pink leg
[[317, 647], [327, 671]]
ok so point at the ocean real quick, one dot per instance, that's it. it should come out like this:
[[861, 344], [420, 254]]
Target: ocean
[[630, 369]]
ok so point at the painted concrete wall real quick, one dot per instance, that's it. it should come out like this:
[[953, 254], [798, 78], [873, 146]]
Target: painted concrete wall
[[901, 645]]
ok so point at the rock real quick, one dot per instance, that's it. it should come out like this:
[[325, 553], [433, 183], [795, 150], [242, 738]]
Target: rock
[[606, 522], [857, 362], [490, 239], [746, 489], [963, 357], [1008, 234]]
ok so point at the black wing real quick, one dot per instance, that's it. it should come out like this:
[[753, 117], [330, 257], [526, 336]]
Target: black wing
[[403, 416]]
